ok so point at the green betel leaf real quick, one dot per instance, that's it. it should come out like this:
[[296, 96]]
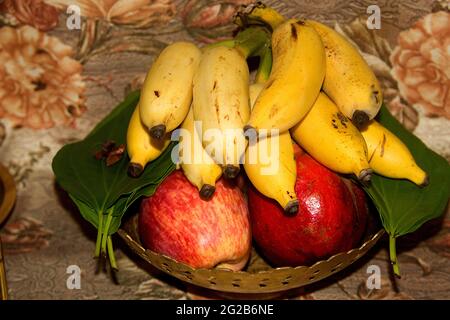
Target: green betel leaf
[[103, 193], [403, 206], [86, 212], [92, 182], [94, 218]]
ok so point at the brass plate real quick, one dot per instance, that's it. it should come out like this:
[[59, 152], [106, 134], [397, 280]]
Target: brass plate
[[7, 193], [7, 199], [258, 277]]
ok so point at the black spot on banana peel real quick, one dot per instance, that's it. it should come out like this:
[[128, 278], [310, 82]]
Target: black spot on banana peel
[[135, 169], [343, 119], [230, 171], [294, 32], [360, 119], [207, 191], [269, 84], [291, 208], [365, 175], [383, 143], [375, 96], [158, 131]]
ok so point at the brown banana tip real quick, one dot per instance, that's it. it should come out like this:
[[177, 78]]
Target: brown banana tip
[[365, 175], [360, 119], [135, 169], [425, 182], [158, 131], [291, 208], [231, 171], [207, 191], [248, 128]]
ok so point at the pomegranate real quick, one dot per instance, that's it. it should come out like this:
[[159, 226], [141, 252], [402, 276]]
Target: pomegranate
[[332, 217]]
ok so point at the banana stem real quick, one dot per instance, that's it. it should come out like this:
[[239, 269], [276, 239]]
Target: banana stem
[[393, 256], [99, 234], [265, 66], [251, 40], [105, 231]]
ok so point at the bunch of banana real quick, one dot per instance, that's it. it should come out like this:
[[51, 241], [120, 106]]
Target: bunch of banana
[[356, 93], [316, 88], [200, 169], [349, 81], [389, 156], [327, 135], [141, 147], [279, 166], [296, 78], [166, 94], [221, 103]]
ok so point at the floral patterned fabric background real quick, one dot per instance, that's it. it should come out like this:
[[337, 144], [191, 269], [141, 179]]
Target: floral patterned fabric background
[[56, 83]]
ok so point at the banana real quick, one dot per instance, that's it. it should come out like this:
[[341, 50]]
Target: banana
[[327, 135], [200, 169], [140, 146], [349, 81], [167, 90], [389, 157], [278, 183], [295, 80], [221, 102]]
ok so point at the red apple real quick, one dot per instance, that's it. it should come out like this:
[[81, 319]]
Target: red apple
[[176, 222], [331, 218]]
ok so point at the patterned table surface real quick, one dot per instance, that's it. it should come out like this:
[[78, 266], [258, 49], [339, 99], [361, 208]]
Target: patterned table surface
[[57, 82]]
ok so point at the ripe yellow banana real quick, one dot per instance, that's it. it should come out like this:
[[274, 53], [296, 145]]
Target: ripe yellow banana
[[140, 146], [200, 169], [167, 90], [349, 81], [221, 102], [389, 156], [295, 80], [327, 135], [275, 175]]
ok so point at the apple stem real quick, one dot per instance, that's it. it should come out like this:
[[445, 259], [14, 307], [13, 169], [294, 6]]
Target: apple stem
[[393, 256], [99, 234], [112, 258]]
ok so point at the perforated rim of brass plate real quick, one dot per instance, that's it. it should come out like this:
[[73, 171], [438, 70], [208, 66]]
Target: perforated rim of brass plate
[[265, 281], [7, 193]]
